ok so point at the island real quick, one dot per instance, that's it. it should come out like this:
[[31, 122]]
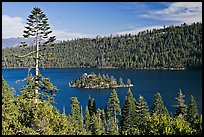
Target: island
[[94, 81]]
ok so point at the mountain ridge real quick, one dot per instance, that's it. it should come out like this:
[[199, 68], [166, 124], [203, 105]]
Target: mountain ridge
[[13, 42]]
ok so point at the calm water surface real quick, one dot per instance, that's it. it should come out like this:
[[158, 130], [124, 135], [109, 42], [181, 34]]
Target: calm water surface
[[146, 83]]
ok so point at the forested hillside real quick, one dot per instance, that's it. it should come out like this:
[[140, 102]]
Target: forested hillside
[[171, 47]]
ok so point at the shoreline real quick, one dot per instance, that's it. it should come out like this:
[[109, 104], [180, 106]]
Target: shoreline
[[172, 69], [118, 86], [109, 68]]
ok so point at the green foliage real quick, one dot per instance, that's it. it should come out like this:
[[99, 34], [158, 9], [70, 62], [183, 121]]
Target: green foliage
[[97, 82], [142, 115], [160, 124], [192, 115], [75, 115], [91, 106], [21, 115], [128, 81], [87, 120], [198, 126], [38, 28], [128, 115], [192, 111], [112, 110], [158, 105], [121, 81], [112, 126], [170, 47], [103, 120], [113, 106], [180, 107], [46, 90], [97, 124], [10, 112], [180, 126]]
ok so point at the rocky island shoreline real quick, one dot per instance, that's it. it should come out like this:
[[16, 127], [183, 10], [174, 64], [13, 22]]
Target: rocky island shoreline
[[94, 81]]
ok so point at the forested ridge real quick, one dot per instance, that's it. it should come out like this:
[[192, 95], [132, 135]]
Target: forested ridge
[[178, 47], [21, 115]]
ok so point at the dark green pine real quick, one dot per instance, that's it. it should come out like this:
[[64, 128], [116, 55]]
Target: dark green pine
[[158, 105], [91, 106], [75, 114], [142, 115], [112, 110], [87, 119], [128, 114], [192, 111]]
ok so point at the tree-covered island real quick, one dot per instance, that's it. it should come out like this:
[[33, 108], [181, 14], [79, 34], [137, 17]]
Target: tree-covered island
[[95, 81]]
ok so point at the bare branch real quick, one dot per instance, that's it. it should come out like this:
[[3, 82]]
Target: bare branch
[[26, 54]]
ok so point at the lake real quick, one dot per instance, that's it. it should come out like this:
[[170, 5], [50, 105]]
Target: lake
[[146, 83]]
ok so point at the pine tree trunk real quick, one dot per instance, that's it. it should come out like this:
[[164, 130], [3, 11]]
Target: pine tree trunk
[[37, 65]]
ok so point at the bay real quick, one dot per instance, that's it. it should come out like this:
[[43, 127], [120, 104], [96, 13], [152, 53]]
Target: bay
[[146, 83]]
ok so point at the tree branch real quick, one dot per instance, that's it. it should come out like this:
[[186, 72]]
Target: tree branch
[[26, 54]]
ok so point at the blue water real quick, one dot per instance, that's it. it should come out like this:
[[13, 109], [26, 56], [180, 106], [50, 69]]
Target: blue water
[[146, 83]]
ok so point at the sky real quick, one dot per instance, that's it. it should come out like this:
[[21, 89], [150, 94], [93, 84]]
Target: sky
[[69, 20]]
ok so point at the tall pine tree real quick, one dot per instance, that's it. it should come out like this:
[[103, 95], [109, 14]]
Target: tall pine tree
[[75, 115], [91, 106], [158, 105], [87, 119], [128, 114], [112, 110], [142, 115], [97, 124], [181, 107], [192, 112], [39, 29]]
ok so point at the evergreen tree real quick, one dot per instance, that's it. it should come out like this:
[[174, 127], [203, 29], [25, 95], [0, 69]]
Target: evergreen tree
[[10, 112], [36, 117], [87, 119], [128, 114], [91, 106], [160, 125], [38, 28], [121, 81], [158, 105], [112, 126], [45, 88], [64, 127], [180, 107], [198, 126], [142, 115], [97, 124], [180, 126], [75, 115], [103, 118], [112, 110], [192, 112], [128, 81]]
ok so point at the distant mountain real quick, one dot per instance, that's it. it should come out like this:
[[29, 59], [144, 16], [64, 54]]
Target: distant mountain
[[12, 42]]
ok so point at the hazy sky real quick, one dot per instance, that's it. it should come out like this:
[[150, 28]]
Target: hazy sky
[[88, 19]]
